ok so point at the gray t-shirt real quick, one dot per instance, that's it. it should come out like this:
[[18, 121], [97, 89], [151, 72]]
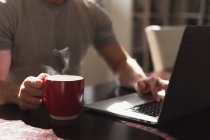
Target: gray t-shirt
[[43, 36]]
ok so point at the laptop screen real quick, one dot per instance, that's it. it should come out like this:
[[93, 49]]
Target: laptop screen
[[190, 79]]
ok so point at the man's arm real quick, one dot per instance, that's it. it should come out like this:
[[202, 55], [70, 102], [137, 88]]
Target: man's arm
[[27, 95], [129, 73], [5, 61], [124, 67], [8, 93]]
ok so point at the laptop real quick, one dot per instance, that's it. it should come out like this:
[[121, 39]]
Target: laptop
[[188, 90]]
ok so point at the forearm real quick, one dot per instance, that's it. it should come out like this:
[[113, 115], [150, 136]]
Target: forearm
[[126, 69], [8, 93], [129, 73]]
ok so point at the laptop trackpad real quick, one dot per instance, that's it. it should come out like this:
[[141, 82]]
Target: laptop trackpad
[[122, 102]]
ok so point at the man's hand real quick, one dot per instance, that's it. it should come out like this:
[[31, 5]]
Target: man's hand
[[31, 92], [155, 85]]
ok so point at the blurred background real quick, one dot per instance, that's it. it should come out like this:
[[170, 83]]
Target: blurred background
[[131, 17]]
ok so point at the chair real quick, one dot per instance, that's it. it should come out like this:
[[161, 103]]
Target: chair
[[163, 44]]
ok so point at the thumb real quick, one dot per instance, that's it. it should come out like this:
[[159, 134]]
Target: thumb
[[142, 86], [42, 76]]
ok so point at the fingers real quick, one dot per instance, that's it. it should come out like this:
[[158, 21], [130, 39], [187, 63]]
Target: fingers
[[29, 103], [42, 76], [164, 83], [33, 82], [153, 85], [31, 92], [143, 86], [161, 94]]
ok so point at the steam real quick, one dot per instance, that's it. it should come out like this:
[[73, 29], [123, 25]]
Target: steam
[[49, 70], [65, 57]]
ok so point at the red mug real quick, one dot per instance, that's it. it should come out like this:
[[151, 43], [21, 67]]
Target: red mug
[[63, 95]]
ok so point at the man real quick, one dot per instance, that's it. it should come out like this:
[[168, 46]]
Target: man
[[55, 34]]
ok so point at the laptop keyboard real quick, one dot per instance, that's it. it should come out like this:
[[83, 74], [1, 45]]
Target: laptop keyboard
[[150, 108]]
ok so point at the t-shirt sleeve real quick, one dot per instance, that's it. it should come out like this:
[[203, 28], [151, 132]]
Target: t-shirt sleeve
[[104, 34], [7, 25]]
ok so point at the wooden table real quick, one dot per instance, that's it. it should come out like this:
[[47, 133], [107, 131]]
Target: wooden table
[[37, 125]]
